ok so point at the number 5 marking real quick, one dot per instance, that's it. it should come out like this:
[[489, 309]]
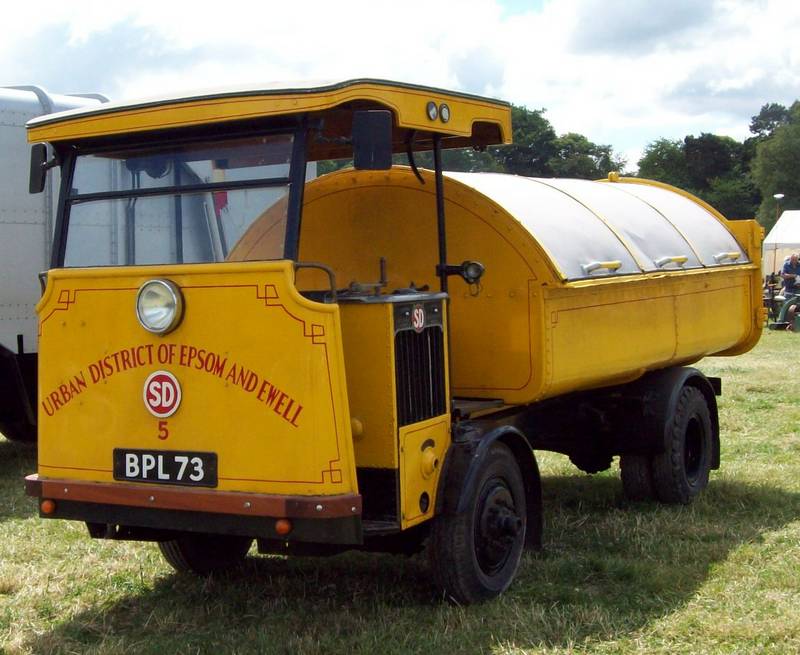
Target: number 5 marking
[[163, 430]]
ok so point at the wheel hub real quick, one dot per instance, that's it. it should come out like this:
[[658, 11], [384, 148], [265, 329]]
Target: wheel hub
[[693, 449], [497, 528]]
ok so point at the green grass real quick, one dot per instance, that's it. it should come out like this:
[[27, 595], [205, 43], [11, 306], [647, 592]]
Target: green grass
[[720, 576]]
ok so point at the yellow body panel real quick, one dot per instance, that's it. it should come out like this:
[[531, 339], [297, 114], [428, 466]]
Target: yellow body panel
[[525, 334], [610, 332], [369, 359], [416, 450], [260, 367], [423, 447], [408, 103]]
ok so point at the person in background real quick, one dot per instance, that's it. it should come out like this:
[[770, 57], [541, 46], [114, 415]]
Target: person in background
[[791, 285], [789, 273]]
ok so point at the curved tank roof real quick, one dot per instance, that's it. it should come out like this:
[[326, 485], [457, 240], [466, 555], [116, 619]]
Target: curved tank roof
[[594, 229]]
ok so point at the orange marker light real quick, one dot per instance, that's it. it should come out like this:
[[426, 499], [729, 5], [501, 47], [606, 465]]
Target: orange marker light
[[283, 526], [48, 506]]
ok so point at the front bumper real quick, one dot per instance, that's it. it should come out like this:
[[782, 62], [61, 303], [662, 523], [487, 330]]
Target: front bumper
[[154, 508]]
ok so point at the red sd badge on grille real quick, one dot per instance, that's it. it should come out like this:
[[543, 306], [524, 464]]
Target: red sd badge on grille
[[418, 318], [162, 394]]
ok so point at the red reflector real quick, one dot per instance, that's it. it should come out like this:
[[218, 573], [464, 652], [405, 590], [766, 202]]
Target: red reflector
[[48, 506], [283, 526]]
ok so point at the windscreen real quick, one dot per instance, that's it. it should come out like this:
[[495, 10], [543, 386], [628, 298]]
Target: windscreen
[[175, 203]]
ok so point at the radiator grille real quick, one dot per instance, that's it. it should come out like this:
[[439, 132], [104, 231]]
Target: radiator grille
[[419, 369]]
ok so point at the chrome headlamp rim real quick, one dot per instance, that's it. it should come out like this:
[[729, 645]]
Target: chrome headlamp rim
[[177, 300]]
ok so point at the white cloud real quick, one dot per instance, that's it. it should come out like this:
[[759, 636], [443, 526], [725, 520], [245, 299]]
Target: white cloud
[[623, 74]]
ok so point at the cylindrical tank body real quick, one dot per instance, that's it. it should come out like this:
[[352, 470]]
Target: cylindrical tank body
[[587, 284]]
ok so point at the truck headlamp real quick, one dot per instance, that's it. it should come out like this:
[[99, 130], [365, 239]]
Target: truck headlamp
[[159, 306], [472, 271]]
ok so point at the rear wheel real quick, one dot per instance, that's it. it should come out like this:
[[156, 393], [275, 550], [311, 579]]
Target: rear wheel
[[204, 553], [475, 555], [681, 471], [636, 472]]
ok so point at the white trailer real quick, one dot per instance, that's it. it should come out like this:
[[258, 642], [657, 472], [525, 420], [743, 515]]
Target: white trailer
[[26, 233]]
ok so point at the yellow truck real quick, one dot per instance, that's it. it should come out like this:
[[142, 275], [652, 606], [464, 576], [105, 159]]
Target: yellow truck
[[231, 352]]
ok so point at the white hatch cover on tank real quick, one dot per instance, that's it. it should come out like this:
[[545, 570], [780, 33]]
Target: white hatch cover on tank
[[651, 238], [711, 240], [592, 229], [578, 243]]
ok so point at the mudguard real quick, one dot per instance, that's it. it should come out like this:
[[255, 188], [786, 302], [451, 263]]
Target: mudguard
[[660, 392], [463, 461]]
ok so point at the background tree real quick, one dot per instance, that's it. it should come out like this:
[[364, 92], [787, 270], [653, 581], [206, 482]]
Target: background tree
[[735, 196], [664, 160], [771, 116], [533, 147], [576, 156], [714, 168], [776, 167], [709, 157]]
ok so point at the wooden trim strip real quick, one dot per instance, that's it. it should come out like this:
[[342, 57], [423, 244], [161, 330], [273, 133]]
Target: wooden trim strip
[[196, 500]]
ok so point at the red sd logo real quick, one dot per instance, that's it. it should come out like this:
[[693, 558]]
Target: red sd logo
[[418, 318], [162, 394]]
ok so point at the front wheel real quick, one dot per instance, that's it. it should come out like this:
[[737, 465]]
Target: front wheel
[[475, 555], [204, 553]]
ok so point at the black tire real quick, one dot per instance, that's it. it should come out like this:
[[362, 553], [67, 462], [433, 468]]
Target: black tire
[[636, 472], [681, 471], [475, 555], [204, 553]]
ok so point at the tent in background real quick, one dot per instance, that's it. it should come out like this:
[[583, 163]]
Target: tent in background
[[783, 239]]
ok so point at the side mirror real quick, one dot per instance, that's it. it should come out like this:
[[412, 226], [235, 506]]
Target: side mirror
[[38, 168], [372, 140]]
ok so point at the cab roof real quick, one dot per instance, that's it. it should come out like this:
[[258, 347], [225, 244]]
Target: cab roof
[[467, 119]]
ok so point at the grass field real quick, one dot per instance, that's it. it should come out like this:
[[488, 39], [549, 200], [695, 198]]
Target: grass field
[[721, 576]]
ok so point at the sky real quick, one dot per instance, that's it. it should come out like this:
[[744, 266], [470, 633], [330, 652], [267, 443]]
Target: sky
[[621, 73]]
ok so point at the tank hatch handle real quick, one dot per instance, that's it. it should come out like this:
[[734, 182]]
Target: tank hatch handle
[[721, 257], [596, 266], [679, 260]]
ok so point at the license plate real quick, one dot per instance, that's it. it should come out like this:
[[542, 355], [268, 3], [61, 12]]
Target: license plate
[[166, 467]]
